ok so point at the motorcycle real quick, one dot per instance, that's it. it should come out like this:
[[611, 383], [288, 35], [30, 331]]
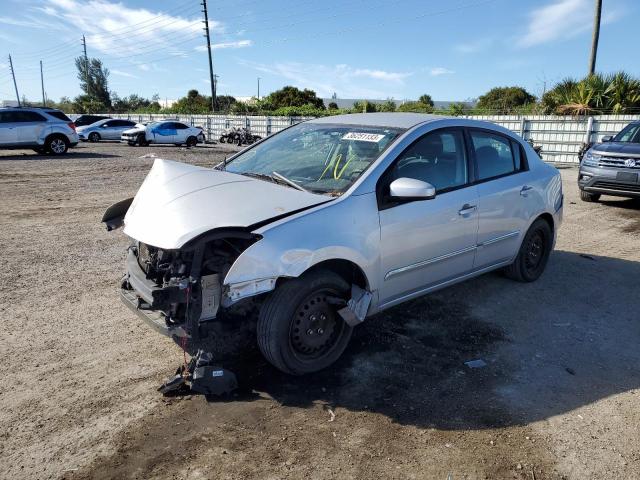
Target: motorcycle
[[239, 136]]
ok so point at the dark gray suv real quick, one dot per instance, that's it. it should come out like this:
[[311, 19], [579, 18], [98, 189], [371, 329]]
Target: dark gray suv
[[612, 167]]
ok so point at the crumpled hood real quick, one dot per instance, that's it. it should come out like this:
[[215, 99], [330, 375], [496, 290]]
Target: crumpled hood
[[177, 202], [624, 149], [135, 129]]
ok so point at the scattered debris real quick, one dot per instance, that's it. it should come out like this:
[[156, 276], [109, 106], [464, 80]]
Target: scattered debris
[[200, 376], [332, 414], [148, 155], [478, 363], [588, 257], [519, 466]]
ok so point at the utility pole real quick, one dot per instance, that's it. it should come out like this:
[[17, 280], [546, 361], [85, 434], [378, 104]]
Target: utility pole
[[258, 88], [44, 100], [211, 76], [15, 85], [596, 35], [86, 63]]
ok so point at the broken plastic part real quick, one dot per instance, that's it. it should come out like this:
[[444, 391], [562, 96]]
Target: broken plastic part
[[201, 376], [356, 310], [241, 290], [113, 217]]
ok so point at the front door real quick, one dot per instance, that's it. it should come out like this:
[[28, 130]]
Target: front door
[[427, 242], [8, 128], [30, 126]]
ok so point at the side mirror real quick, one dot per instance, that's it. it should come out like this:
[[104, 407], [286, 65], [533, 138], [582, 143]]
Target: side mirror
[[411, 189], [606, 138]]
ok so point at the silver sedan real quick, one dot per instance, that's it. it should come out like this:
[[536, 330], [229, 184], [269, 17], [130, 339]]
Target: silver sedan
[[331, 221], [110, 129]]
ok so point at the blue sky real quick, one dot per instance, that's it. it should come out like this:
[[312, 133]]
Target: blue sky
[[451, 49]]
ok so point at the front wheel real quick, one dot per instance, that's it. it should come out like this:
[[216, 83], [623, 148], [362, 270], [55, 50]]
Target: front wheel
[[142, 141], [299, 328], [94, 137], [533, 254], [589, 197], [192, 142]]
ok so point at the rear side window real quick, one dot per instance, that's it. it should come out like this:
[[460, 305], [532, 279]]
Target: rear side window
[[59, 116], [179, 126], [494, 154], [7, 117], [28, 117]]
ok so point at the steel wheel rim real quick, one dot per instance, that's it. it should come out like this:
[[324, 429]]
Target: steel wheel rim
[[535, 251], [93, 137], [316, 327], [57, 146]]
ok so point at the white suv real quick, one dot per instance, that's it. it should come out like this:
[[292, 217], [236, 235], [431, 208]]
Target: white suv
[[45, 130]]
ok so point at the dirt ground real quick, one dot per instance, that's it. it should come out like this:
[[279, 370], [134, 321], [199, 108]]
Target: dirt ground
[[559, 397]]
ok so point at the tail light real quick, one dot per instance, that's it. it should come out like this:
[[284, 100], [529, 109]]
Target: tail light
[[72, 126]]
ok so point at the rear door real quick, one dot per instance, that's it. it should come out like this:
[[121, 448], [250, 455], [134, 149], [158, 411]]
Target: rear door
[[29, 126], [505, 203], [182, 132], [8, 128], [116, 127]]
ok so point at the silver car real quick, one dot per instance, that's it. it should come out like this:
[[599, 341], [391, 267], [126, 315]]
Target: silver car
[[110, 129], [330, 221], [164, 131], [45, 130]]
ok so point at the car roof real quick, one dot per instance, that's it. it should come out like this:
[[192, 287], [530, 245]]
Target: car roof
[[381, 119]]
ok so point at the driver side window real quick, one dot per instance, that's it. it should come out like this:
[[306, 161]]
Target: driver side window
[[438, 158]]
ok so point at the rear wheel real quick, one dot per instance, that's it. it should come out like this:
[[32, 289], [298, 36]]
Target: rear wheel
[[57, 145], [94, 137], [533, 254], [223, 138], [299, 328], [192, 141], [238, 141], [589, 197]]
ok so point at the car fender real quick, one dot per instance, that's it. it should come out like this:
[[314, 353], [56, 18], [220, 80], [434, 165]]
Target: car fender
[[348, 229]]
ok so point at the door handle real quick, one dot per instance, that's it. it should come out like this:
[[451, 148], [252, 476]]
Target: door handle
[[525, 189], [467, 209]]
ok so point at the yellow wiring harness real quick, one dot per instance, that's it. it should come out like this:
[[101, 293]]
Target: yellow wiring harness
[[336, 164]]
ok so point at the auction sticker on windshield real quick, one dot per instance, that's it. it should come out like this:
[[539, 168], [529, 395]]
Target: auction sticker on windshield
[[363, 137]]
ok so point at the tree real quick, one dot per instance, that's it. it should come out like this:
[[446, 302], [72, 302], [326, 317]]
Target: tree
[[364, 107], [293, 97], [426, 99], [388, 106], [416, 107], [332, 106], [192, 103], [94, 82], [594, 94], [503, 100], [224, 103], [457, 109]]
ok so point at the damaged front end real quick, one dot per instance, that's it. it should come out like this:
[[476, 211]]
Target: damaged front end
[[178, 291]]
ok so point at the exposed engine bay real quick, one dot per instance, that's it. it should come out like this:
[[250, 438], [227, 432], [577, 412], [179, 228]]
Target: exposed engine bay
[[180, 290]]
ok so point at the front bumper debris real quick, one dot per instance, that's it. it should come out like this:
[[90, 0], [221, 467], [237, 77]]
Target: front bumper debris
[[200, 375]]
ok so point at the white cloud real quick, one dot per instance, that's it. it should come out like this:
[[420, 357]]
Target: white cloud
[[474, 46], [347, 81], [224, 45], [437, 71], [116, 29], [123, 74], [559, 20]]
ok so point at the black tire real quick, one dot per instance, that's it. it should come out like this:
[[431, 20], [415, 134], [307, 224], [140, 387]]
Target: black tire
[[299, 331], [223, 138], [141, 140], [533, 254], [589, 197], [94, 137], [131, 144], [57, 144], [239, 140], [192, 141]]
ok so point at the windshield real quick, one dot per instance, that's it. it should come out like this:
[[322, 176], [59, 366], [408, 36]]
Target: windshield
[[320, 158], [630, 133]]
